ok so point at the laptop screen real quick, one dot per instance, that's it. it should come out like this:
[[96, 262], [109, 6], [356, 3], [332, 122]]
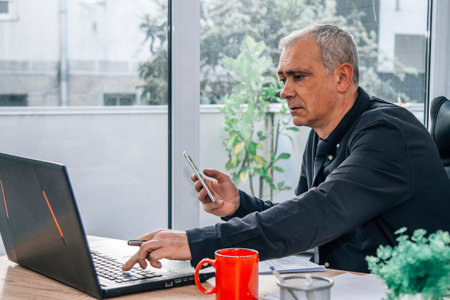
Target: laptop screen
[[40, 224]]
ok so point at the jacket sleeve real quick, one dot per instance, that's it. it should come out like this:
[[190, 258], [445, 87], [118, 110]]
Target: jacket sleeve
[[249, 204], [372, 179]]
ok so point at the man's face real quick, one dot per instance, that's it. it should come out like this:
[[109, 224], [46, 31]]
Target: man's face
[[309, 90]]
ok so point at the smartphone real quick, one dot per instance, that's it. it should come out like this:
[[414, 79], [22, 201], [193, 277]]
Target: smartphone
[[199, 176]]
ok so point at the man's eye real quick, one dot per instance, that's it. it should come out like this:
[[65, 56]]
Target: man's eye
[[282, 80], [298, 77]]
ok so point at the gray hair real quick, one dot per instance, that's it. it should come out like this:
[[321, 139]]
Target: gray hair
[[336, 46]]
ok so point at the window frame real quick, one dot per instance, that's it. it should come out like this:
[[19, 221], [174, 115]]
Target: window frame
[[437, 54], [184, 128], [12, 11], [184, 110]]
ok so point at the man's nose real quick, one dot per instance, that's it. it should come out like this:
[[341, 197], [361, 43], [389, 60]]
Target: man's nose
[[287, 91]]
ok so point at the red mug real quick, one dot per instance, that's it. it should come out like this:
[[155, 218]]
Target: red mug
[[236, 274]]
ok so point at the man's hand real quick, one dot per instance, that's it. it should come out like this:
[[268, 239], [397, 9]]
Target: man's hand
[[162, 243], [223, 189]]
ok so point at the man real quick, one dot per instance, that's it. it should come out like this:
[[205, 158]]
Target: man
[[369, 168]]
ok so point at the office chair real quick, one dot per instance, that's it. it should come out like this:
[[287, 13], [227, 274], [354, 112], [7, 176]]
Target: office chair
[[440, 128]]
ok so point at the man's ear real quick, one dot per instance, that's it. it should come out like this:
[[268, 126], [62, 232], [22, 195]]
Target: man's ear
[[344, 76]]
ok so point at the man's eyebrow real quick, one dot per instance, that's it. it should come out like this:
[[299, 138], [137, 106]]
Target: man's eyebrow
[[293, 72]]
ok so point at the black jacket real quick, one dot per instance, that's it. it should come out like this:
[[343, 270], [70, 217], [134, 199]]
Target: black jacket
[[381, 172]]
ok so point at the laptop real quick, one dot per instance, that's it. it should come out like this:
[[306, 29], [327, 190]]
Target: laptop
[[42, 230]]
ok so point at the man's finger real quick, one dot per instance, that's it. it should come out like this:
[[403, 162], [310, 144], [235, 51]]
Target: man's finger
[[210, 206], [144, 252], [194, 177], [142, 263], [130, 263], [203, 196], [219, 176], [198, 186], [154, 258], [151, 235]]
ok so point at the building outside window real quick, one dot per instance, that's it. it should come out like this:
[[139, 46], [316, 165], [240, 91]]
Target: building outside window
[[119, 99], [71, 93], [13, 100], [8, 10]]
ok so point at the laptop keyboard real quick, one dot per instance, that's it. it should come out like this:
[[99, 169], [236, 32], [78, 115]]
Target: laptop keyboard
[[110, 268]]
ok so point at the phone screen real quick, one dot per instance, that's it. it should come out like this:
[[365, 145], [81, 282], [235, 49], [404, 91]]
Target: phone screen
[[199, 175]]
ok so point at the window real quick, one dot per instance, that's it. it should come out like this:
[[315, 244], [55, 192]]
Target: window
[[8, 10], [388, 36], [96, 101], [89, 48], [401, 44], [410, 52], [4, 7], [13, 100], [119, 99], [95, 84]]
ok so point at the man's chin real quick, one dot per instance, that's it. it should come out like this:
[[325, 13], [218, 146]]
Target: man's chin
[[298, 122]]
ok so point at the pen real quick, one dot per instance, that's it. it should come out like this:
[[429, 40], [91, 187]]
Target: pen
[[277, 275], [135, 242]]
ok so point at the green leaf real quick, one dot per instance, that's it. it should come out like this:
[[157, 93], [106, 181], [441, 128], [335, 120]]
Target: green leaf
[[418, 235], [281, 170], [282, 187], [259, 159], [236, 179], [283, 155], [290, 138], [239, 147], [244, 175], [232, 139], [259, 133], [234, 161], [252, 148], [401, 230]]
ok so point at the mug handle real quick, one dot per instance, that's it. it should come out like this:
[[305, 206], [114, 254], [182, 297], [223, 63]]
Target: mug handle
[[197, 280]]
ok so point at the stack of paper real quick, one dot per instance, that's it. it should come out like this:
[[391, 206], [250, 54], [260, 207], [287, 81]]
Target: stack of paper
[[289, 264]]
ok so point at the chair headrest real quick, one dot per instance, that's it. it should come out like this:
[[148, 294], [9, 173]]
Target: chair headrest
[[440, 125]]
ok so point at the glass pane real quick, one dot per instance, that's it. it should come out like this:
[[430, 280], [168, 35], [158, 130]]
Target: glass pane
[[13, 100], [391, 39], [401, 49], [94, 84], [4, 7]]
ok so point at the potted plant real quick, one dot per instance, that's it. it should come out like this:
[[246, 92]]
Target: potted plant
[[252, 130], [417, 267]]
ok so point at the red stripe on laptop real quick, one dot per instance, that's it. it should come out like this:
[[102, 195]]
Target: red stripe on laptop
[[53, 215], [4, 199]]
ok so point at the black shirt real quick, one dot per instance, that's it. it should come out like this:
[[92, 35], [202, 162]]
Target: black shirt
[[381, 172]]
